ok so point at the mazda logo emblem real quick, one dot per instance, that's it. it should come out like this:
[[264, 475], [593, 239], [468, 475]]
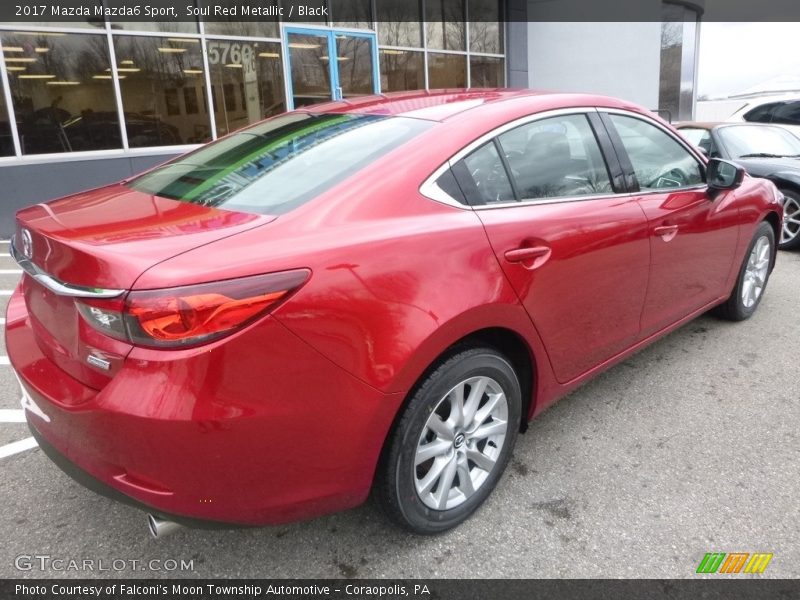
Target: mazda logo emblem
[[27, 243]]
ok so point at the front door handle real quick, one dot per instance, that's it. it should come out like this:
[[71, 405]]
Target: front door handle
[[667, 232], [531, 258]]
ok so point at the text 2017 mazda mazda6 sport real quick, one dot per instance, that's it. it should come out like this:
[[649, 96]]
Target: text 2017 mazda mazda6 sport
[[371, 294]]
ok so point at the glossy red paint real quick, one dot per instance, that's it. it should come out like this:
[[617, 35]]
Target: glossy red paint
[[285, 419]]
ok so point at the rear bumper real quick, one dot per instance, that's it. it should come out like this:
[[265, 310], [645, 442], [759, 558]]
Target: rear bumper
[[257, 429], [98, 487]]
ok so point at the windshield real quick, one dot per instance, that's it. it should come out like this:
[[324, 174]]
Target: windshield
[[747, 140], [694, 136], [279, 164]]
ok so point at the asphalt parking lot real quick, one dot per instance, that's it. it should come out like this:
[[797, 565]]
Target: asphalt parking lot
[[691, 446]]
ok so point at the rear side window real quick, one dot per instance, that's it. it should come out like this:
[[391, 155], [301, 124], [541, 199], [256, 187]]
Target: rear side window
[[278, 165]]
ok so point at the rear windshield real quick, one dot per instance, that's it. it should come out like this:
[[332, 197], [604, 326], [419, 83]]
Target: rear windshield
[[279, 164]]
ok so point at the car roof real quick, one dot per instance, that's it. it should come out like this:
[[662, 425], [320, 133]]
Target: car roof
[[715, 124], [446, 104]]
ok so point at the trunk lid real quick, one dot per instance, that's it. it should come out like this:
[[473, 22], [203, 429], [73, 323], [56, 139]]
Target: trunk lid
[[105, 238]]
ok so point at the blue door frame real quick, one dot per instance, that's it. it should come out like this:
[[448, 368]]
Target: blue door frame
[[333, 65]]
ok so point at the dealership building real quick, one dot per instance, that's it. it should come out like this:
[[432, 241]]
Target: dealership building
[[87, 103]]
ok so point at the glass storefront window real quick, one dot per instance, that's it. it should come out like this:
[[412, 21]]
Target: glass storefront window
[[158, 27], [157, 75], [445, 28], [486, 72], [485, 29], [223, 25], [64, 98], [62, 92], [353, 14], [354, 55], [401, 70], [247, 79], [6, 139], [447, 70], [311, 78], [266, 28], [399, 23], [60, 24]]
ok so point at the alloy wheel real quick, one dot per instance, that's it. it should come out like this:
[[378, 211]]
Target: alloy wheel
[[791, 219], [756, 271], [460, 443]]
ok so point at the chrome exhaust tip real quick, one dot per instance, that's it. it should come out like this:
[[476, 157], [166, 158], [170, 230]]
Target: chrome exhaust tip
[[160, 528]]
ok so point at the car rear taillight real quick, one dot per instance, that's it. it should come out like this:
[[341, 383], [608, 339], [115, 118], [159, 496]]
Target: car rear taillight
[[190, 315]]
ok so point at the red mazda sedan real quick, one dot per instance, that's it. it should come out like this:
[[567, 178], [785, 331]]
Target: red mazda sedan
[[370, 294]]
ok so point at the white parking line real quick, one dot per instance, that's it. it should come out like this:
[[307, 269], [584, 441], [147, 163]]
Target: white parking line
[[10, 271], [6, 292], [4, 360], [17, 447], [2, 320], [12, 415]]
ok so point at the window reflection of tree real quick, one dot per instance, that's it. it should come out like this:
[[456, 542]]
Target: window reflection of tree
[[60, 106], [355, 66], [445, 27], [399, 23], [402, 70], [149, 73], [485, 33], [353, 14]]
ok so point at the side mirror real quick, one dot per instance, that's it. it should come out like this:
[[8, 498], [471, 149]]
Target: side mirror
[[724, 175]]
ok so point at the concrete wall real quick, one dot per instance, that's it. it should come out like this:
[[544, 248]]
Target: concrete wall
[[23, 185], [614, 59]]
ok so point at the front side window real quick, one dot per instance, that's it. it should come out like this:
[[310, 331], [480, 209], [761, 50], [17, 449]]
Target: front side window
[[556, 157], [275, 166], [700, 138], [659, 161]]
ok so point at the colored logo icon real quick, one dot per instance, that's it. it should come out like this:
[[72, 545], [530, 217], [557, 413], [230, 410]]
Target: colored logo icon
[[734, 562]]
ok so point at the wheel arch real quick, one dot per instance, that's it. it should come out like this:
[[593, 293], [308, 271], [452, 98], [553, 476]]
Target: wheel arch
[[507, 342], [775, 222], [783, 180]]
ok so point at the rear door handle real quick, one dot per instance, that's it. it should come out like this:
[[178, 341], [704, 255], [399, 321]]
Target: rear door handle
[[667, 232], [528, 254]]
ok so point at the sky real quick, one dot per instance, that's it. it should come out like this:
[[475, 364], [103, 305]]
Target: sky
[[736, 56]]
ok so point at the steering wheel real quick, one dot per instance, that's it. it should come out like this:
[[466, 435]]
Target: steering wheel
[[674, 178]]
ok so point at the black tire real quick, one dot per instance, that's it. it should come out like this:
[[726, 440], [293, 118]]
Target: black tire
[[794, 243], [396, 482], [734, 308]]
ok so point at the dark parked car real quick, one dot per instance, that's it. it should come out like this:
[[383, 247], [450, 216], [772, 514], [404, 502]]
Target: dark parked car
[[765, 151]]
